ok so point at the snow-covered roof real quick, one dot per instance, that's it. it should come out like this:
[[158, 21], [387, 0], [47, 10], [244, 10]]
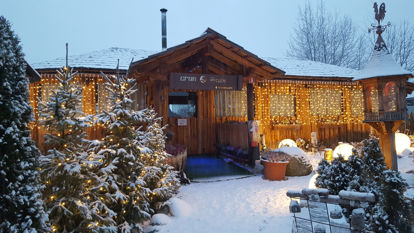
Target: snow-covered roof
[[107, 59], [381, 64], [100, 59], [295, 67]]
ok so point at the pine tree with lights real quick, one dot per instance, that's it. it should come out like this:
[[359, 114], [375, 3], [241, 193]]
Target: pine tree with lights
[[67, 168], [121, 183], [20, 200], [159, 177], [130, 152]]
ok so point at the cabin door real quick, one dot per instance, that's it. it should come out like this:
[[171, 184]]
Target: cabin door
[[191, 120]]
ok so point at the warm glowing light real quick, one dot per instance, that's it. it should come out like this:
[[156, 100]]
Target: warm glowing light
[[287, 143], [343, 149], [402, 142], [312, 181]]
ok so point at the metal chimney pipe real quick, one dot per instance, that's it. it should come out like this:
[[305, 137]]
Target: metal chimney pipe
[[164, 27]]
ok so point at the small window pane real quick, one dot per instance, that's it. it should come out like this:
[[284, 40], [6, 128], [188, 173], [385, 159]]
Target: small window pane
[[182, 104]]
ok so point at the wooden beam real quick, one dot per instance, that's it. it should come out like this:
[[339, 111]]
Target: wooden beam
[[219, 56], [258, 69], [217, 63], [172, 57]]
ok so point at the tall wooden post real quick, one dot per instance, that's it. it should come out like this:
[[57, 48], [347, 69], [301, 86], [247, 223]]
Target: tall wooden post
[[386, 131], [253, 152]]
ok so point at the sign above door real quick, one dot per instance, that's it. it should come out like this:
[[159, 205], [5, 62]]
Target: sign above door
[[189, 81]]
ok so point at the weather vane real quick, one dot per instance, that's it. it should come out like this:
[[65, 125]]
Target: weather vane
[[379, 16]]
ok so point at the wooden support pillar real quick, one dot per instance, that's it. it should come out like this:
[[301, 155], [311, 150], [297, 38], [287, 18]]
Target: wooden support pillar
[[253, 151], [387, 143], [386, 131]]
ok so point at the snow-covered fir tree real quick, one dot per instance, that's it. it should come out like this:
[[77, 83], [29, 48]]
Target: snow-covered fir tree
[[133, 173], [159, 177], [367, 172], [66, 168], [20, 200]]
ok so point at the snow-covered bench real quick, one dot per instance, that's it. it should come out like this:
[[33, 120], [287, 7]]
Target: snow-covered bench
[[322, 213]]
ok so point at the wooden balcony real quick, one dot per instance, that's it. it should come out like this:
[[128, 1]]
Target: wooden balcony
[[385, 116]]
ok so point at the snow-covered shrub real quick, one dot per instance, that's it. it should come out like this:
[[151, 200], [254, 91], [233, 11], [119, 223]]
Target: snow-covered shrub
[[366, 172], [21, 207]]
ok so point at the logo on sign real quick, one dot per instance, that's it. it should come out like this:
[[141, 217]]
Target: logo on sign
[[203, 79]]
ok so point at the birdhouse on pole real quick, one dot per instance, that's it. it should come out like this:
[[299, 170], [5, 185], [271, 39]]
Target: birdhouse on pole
[[384, 85]]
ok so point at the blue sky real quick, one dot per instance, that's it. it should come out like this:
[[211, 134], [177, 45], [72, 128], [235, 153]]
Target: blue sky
[[260, 26]]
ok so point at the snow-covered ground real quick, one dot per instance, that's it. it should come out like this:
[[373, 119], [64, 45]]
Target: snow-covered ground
[[245, 205]]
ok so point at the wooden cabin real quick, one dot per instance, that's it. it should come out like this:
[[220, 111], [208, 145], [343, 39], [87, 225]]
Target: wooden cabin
[[208, 88]]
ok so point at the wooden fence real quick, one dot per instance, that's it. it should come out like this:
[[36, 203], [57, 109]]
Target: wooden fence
[[236, 133], [327, 134]]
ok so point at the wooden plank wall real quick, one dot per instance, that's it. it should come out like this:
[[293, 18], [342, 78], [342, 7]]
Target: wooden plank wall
[[200, 133], [234, 134]]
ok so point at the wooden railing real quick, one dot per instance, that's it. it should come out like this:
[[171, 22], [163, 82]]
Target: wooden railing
[[385, 116]]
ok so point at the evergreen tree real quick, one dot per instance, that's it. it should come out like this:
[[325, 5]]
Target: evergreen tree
[[159, 177], [133, 174], [334, 183], [367, 172], [66, 168], [20, 199]]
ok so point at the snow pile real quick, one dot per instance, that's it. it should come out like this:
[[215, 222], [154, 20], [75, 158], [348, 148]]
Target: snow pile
[[293, 151], [239, 205], [179, 208], [160, 219], [301, 155], [248, 205]]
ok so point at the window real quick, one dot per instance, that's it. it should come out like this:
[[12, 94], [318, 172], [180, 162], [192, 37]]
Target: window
[[372, 99], [103, 103], [282, 105], [357, 103], [231, 103], [325, 102], [182, 104], [390, 97]]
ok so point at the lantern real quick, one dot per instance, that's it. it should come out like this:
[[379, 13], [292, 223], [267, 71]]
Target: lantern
[[384, 88], [344, 150]]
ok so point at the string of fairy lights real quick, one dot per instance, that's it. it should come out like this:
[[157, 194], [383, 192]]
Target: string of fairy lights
[[277, 102], [284, 102]]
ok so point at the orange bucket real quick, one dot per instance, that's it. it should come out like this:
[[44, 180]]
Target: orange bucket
[[274, 170]]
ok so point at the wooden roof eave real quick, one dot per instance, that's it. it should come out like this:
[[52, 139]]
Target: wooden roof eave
[[409, 87], [31, 73], [317, 78], [83, 70], [252, 57], [267, 70]]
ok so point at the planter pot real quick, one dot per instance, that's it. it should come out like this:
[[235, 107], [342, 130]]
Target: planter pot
[[274, 170]]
